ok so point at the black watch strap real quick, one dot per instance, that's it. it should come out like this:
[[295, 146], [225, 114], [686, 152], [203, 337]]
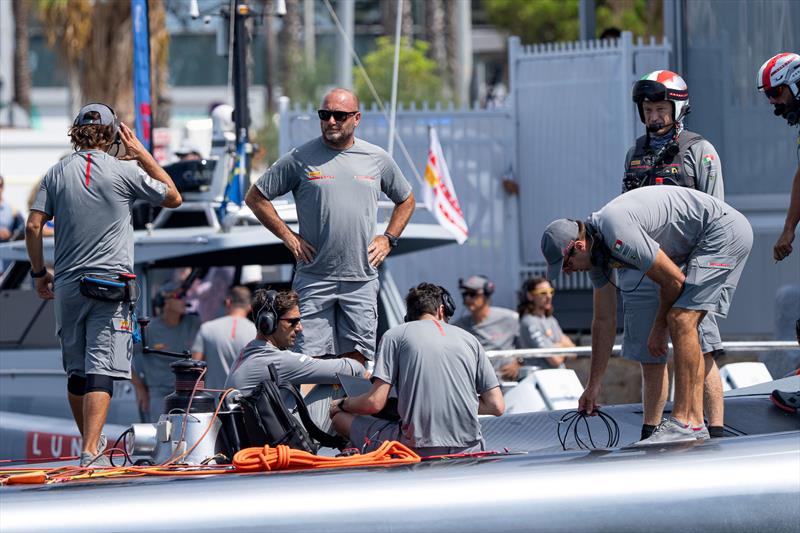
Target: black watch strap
[[42, 273], [341, 405], [393, 240]]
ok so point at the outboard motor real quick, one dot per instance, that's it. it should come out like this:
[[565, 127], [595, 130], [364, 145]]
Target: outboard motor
[[181, 427]]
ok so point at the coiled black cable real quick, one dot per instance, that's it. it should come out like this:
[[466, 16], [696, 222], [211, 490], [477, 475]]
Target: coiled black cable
[[570, 422], [116, 449]]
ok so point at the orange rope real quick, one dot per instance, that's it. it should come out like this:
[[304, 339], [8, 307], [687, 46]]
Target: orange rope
[[282, 457]]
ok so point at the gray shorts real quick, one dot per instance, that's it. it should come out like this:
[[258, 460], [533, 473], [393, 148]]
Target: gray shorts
[[715, 266], [96, 337], [640, 310], [338, 316], [367, 433]]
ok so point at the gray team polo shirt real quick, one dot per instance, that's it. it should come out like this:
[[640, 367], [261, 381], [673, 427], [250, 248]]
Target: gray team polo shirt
[[92, 205], [539, 332], [336, 193], [638, 223], [155, 369], [220, 341], [498, 331], [251, 367], [438, 371]]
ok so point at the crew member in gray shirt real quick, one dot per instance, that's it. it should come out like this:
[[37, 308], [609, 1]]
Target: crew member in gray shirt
[[91, 194], [496, 328], [667, 154], [219, 341], [443, 381], [173, 330], [538, 328], [336, 180], [654, 230], [278, 324]]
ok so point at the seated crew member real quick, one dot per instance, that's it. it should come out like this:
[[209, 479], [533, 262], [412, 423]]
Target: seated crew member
[[538, 328], [219, 341], [173, 330], [443, 381], [278, 323], [496, 328]]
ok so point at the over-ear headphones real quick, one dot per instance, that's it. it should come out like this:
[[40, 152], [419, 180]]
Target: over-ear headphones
[[80, 121], [267, 317], [447, 302]]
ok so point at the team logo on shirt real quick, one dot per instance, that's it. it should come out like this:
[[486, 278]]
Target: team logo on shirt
[[364, 177], [123, 325], [317, 175], [708, 159], [624, 250]]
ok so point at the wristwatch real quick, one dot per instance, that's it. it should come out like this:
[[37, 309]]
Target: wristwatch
[[341, 406], [393, 241], [42, 273]]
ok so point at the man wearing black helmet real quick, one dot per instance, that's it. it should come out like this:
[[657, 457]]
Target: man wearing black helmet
[[667, 154]]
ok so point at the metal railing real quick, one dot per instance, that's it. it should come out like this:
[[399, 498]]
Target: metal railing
[[586, 351]]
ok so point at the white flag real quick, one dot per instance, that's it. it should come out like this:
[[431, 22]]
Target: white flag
[[440, 195]]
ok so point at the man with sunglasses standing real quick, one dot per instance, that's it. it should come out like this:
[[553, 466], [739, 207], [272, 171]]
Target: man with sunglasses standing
[[779, 79], [654, 230], [667, 154], [336, 180]]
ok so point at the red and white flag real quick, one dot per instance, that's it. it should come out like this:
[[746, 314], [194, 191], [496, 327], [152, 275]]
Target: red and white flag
[[440, 195]]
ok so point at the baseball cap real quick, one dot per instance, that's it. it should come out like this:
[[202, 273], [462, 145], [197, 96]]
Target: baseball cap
[[556, 239], [477, 283], [107, 117]]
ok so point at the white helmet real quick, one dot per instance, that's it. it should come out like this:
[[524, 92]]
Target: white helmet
[[781, 69], [662, 85]]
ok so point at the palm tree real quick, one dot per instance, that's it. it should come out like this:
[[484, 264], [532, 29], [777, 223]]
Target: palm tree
[[22, 71], [94, 39]]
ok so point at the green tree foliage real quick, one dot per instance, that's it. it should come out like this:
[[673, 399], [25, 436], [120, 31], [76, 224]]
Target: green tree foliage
[[537, 21], [418, 79]]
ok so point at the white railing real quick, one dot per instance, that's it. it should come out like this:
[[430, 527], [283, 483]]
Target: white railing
[[585, 351]]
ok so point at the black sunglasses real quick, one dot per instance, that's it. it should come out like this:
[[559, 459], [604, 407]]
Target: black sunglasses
[[338, 116], [773, 92], [292, 321], [470, 294]]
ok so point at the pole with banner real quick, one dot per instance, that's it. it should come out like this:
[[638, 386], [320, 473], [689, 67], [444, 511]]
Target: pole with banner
[[141, 72], [440, 195]]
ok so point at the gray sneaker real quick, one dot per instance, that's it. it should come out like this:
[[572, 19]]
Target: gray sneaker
[[99, 460], [702, 433], [671, 431]]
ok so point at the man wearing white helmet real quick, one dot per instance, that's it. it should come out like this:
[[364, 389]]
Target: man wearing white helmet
[[779, 80], [667, 154]]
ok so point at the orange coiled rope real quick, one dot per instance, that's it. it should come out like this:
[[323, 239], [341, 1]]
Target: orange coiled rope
[[282, 457]]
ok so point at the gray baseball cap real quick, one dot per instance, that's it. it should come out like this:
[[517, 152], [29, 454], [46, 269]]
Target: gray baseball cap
[[556, 239], [107, 117]]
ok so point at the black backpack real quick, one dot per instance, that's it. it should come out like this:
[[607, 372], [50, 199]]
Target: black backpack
[[268, 421]]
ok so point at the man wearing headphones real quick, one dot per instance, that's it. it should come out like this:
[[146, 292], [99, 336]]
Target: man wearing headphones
[[667, 154], [443, 381], [496, 328], [653, 230], [278, 324], [91, 194]]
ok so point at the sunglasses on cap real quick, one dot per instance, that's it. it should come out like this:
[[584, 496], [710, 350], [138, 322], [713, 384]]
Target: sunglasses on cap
[[338, 116], [292, 321]]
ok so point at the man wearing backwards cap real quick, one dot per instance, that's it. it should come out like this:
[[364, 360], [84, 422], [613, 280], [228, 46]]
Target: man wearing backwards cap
[[654, 230], [91, 194]]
